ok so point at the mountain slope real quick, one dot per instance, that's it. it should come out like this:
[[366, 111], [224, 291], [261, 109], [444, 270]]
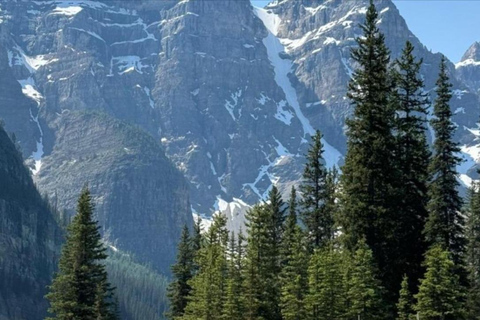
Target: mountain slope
[[141, 199], [29, 239]]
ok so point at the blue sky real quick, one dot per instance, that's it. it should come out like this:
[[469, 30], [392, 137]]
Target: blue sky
[[443, 26]]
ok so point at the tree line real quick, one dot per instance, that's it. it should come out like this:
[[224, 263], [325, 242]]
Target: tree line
[[387, 238]]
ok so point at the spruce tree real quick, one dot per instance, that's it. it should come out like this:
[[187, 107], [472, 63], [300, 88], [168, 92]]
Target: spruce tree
[[317, 220], [209, 285], [405, 301], [445, 223], [182, 272], [412, 158], [369, 198], [263, 261], [233, 308], [326, 298], [440, 294], [290, 228], [473, 252], [80, 289], [365, 290], [293, 275]]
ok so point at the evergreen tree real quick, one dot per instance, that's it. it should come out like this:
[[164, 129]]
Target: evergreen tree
[[445, 223], [233, 308], [80, 290], [405, 302], [365, 290], [262, 272], [473, 252], [318, 221], [369, 198], [440, 295], [209, 285], [293, 275], [182, 271], [326, 298], [290, 228], [412, 158]]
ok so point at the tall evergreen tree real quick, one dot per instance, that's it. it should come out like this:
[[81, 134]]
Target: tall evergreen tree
[[326, 298], [182, 271], [293, 275], [369, 175], [318, 221], [445, 223], [405, 301], [290, 229], [440, 295], [412, 159], [263, 259], [209, 285], [233, 308], [473, 252], [365, 290], [80, 290]]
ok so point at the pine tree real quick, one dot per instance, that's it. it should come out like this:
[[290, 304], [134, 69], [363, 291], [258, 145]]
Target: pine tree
[[369, 198], [365, 290], [209, 285], [293, 275], [445, 223], [405, 301], [412, 158], [326, 298], [440, 295], [473, 253], [318, 221], [80, 290], [182, 271]]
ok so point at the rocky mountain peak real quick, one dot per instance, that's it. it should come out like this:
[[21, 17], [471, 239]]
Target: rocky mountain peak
[[473, 53]]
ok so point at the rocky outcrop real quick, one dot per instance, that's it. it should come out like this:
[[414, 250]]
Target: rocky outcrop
[[468, 69], [141, 200], [29, 239]]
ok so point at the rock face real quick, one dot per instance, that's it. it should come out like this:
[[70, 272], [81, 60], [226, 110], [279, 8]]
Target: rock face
[[468, 69], [29, 239], [232, 92], [141, 198]]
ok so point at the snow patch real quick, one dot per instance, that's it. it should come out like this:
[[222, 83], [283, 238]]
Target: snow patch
[[283, 115], [231, 105], [282, 67]]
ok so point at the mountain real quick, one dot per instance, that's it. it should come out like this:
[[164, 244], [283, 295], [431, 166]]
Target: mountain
[[232, 92], [29, 239]]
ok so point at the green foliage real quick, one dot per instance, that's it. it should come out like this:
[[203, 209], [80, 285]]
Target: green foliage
[[472, 235], [263, 259], [364, 289], [182, 271], [80, 290], [412, 159], [234, 307], [369, 197], [326, 298], [141, 291], [293, 275], [315, 216], [405, 301], [440, 295], [208, 292], [445, 223]]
